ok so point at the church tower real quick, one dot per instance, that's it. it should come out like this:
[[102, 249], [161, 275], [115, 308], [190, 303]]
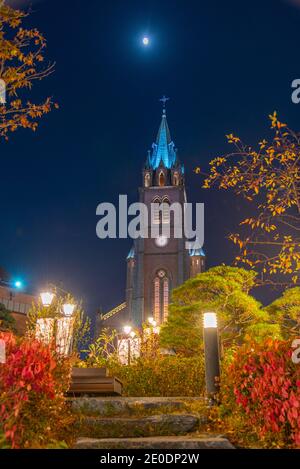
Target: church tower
[[157, 265]]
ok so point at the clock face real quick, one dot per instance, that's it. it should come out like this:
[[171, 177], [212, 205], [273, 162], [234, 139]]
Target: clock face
[[161, 241]]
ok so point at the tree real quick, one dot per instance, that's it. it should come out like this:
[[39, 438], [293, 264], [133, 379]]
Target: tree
[[224, 290], [7, 321], [286, 311], [21, 64], [269, 178]]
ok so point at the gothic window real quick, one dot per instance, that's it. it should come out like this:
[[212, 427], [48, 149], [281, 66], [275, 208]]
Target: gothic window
[[176, 179], [156, 213], [156, 302], [160, 297], [166, 211], [165, 298], [161, 179], [147, 179]]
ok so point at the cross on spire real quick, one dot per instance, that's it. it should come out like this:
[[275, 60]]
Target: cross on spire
[[164, 99]]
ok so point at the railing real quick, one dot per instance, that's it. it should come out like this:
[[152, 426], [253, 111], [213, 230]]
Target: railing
[[114, 311], [15, 306]]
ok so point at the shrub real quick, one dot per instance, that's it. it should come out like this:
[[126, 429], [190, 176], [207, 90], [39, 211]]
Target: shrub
[[152, 374], [261, 392], [32, 382], [162, 376], [7, 321]]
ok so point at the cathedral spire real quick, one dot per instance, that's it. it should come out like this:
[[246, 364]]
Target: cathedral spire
[[163, 150]]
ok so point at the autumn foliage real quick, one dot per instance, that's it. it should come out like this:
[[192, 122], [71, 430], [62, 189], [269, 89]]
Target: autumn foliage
[[21, 64], [32, 382], [268, 177], [261, 388]]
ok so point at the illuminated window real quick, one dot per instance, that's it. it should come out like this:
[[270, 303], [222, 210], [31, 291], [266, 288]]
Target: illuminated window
[[166, 211], [161, 180], [155, 211], [166, 298], [147, 179], [160, 297], [156, 311]]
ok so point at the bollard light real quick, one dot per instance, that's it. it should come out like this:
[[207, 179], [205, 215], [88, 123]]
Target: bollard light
[[47, 298], [212, 355], [210, 320]]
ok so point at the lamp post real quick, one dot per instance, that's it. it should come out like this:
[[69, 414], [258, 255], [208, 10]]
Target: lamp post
[[47, 298], [64, 331], [212, 355], [128, 331], [61, 327], [154, 326]]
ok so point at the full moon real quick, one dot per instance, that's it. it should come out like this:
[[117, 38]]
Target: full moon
[[145, 41]]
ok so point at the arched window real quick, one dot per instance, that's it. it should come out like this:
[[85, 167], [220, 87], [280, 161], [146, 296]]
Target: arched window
[[165, 298], [166, 210], [176, 179], [161, 179], [155, 210], [147, 179], [156, 312], [160, 296]]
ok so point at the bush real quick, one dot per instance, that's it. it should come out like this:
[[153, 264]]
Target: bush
[[32, 384], [7, 321], [261, 392], [152, 374], [161, 376]]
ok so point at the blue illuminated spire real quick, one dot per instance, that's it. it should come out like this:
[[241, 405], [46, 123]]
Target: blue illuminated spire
[[163, 150]]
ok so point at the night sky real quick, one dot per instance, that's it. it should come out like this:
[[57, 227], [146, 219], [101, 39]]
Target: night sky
[[225, 66]]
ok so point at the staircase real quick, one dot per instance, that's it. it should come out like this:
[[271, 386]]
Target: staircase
[[145, 423]]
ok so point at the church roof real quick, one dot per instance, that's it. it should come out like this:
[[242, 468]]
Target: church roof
[[196, 252], [163, 150]]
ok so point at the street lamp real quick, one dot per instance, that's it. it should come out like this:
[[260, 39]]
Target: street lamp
[[18, 284], [47, 298], [65, 329], [152, 322], [128, 331], [211, 352], [68, 309], [60, 328]]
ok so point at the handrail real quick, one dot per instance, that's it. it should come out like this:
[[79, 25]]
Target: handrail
[[113, 311]]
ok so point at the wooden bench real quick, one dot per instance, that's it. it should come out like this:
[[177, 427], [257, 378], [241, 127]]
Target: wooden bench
[[94, 381]]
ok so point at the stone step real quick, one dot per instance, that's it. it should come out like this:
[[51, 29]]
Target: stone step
[[202, 441], [109, 406], [121, 427]]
